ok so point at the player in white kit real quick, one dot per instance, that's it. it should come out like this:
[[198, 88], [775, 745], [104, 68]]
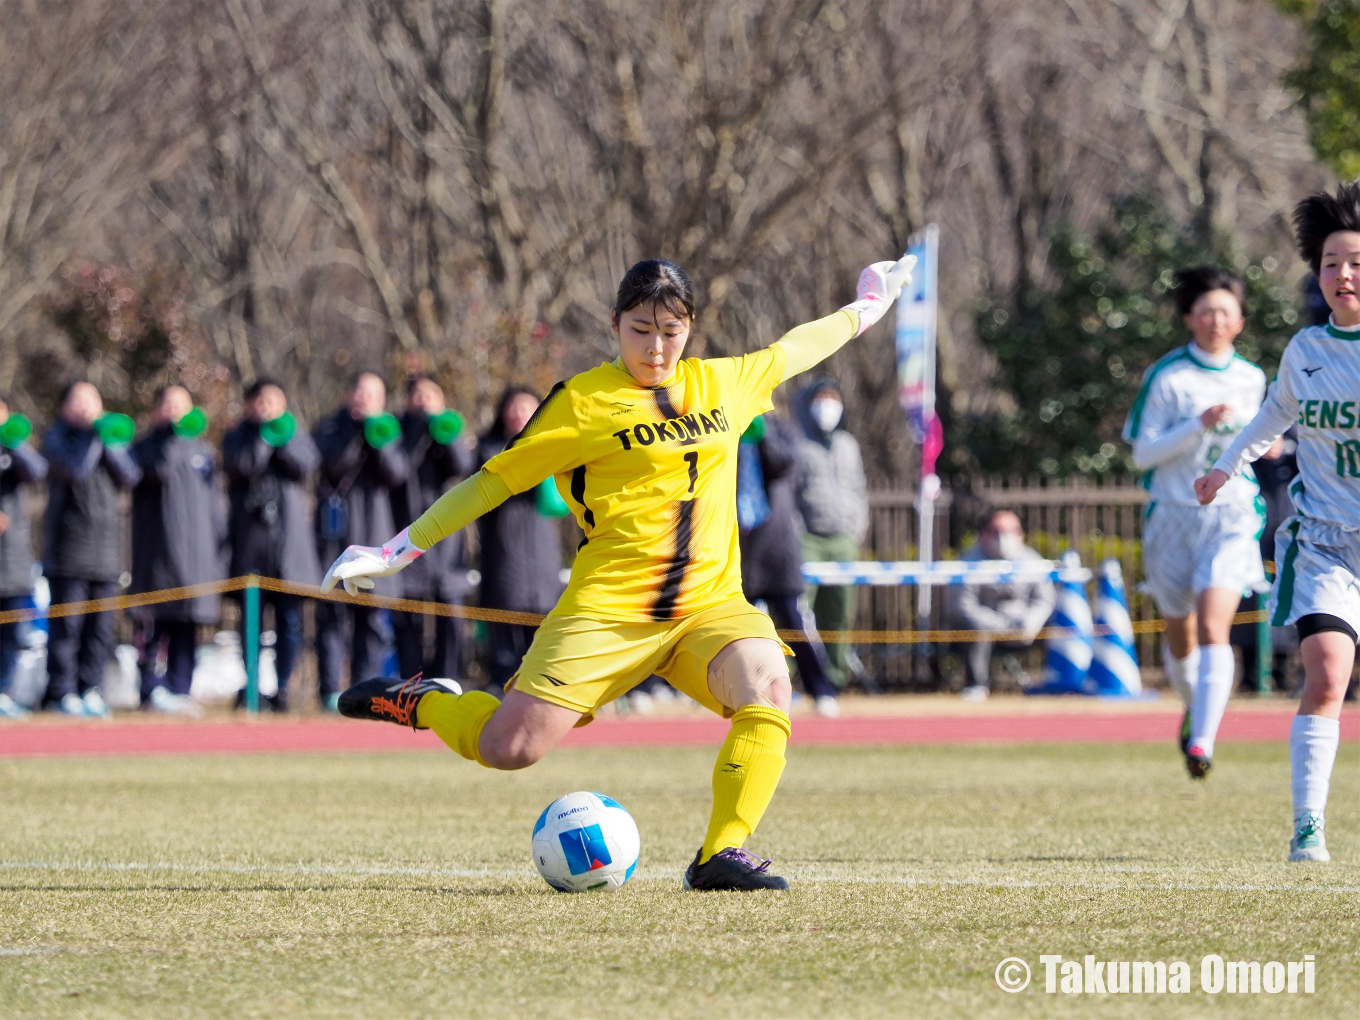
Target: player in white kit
[[1199, 560], [1318, 587]]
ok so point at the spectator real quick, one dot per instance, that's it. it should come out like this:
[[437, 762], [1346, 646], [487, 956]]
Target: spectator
[[521, 548], [771, 558], [178, 533], [362, 461], [830, 492], [89, 467], [267, 459], [19, 464], [439, 455], [1012, 606]]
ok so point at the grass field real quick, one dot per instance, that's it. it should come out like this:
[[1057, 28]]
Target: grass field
[[401, 885]]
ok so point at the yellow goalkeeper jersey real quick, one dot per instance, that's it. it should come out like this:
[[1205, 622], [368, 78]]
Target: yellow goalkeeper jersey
[[651, 477]]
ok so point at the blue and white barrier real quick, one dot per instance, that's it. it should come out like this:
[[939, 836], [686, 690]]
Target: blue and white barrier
[[1114, 665], [945, 572], [1069, 658]]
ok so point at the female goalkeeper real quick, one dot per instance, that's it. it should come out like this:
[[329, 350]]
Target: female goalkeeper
[[644, 450]]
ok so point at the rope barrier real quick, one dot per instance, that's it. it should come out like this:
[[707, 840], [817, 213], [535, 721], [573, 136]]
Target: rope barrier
[[274, 584]]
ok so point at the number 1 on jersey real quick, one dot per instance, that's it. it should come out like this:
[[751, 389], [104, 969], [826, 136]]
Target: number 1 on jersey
[[692, 459]]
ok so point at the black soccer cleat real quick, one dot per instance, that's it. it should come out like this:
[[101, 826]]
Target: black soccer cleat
[[732, 868], [1197, 763], [390, 700], [1185, 732]]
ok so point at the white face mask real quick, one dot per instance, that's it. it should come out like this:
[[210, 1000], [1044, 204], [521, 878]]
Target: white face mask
[[826, 412], [1011, 547]]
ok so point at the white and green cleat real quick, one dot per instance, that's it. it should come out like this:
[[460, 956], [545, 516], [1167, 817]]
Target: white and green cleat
[[1309, 843]]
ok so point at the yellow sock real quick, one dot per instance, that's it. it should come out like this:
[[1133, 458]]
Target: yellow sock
[[745, 776], [458, 719]]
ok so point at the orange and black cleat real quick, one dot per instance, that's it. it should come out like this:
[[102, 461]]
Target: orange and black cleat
[[389, 700]]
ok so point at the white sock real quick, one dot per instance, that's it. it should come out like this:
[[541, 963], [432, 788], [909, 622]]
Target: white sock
[[1312, 751], [1182, 673], [1216, 672]]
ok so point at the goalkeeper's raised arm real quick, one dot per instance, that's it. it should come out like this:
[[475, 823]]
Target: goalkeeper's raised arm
[[569, 429]]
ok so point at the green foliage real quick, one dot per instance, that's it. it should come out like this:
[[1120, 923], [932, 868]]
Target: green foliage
[[1070, 354], [1328, 80]]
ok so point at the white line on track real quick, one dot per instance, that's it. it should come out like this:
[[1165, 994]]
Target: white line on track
[[661, 875]]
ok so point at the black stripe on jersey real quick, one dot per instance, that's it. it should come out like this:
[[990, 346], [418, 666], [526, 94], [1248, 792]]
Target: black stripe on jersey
[[578, 493], [664, 606], [538, 411], [668, 411]]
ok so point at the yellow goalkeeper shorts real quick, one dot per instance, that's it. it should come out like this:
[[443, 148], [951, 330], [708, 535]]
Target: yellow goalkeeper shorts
[[581, 663]]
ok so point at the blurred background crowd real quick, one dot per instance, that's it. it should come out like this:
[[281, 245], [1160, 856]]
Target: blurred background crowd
[[120, 508]]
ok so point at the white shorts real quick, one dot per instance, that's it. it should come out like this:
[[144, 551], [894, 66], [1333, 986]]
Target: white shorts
[[1319, 573], [1189, 549]]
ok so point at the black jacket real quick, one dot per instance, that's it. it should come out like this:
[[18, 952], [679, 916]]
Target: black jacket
[[437, 574], [361, 480], [771, 557], [521, 549], [84, 526], [17, 466], [178, 528], [269, 527]]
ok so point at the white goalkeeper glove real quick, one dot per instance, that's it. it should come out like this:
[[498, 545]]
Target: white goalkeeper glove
[[878, 288], [359, 564]]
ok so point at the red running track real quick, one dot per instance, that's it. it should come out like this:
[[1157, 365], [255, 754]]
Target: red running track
[[235, 737]]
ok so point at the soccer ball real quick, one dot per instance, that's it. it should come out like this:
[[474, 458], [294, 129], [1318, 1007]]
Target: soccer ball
[[586, 841]]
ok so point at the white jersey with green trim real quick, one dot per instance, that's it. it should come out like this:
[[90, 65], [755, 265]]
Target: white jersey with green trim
[[1169, 442], [1318, 392]]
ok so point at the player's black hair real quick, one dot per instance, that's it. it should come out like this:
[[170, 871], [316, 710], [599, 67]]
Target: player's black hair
[[259, 385], [653, 282], [1319, 216], [1196, 281]]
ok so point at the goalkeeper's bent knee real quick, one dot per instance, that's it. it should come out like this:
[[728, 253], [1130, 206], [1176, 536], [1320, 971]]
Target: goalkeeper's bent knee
[[458, 720]]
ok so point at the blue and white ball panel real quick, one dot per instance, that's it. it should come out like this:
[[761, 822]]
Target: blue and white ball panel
[[585, 841]]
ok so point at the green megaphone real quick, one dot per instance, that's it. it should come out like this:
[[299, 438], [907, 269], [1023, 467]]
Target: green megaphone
[[115, 429], [381, 430], [755, 432], [445, 427], [15, 430], [278, 431], [192, 425], [549, 501]]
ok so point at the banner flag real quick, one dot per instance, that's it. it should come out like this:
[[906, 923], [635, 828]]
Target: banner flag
[[916, 311]]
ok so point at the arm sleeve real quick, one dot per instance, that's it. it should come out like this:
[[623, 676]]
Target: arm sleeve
[[459, 507], [549, 445], [1280, 410], [978, 617], [296, 458], [124, 470], [29, 464], [1154, 447], [813, 342]]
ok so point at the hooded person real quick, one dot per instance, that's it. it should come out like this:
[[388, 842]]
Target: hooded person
[[267, 459], [435, 444], [178, 536], [830, 493], [89, 468]]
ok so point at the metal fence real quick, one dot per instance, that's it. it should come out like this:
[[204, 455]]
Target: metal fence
[[1099, 521]]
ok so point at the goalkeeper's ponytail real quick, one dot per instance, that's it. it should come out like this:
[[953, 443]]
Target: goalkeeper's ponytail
[[656, 282]]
